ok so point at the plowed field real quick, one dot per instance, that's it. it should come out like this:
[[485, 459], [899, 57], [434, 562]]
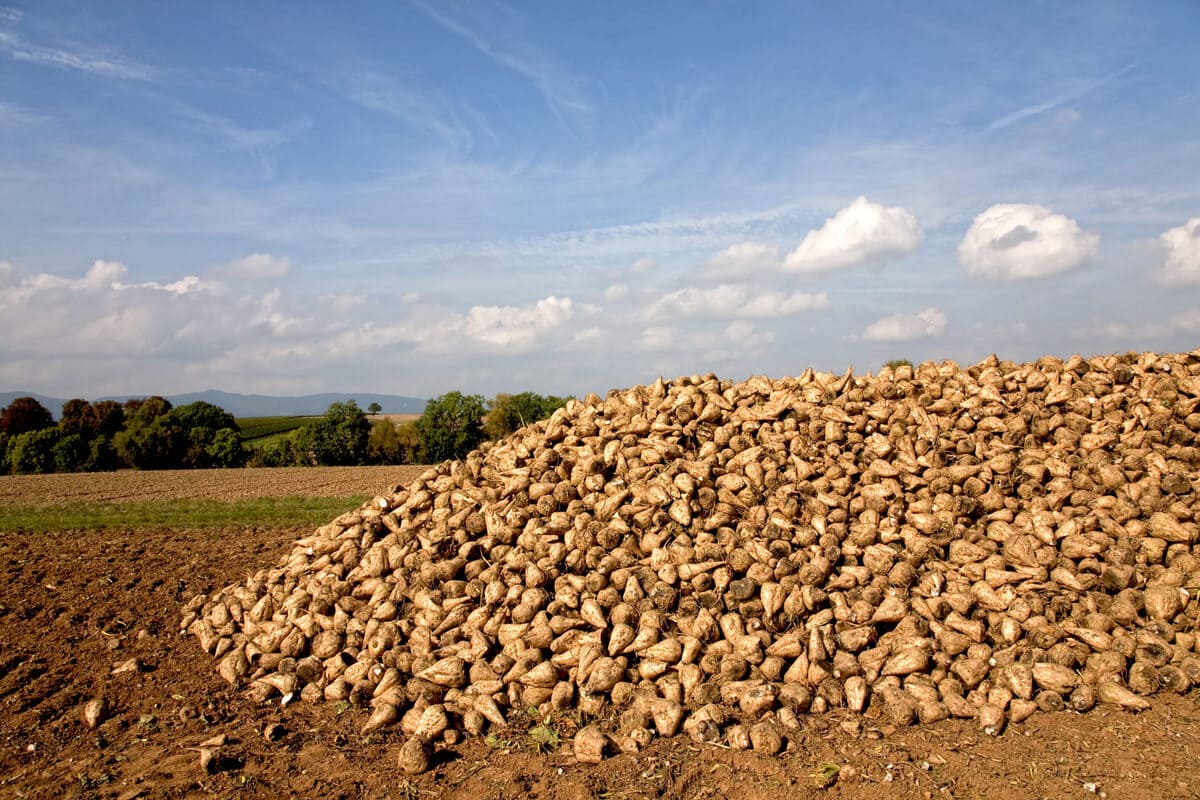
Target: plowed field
[[75, 607]]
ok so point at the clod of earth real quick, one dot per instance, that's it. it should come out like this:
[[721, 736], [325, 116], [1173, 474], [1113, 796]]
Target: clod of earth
[[721, 558]]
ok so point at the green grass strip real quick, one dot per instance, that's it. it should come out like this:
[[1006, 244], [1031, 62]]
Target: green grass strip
[[190, 514]]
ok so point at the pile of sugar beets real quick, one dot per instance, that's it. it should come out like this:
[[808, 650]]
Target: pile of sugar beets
[[720, 559]]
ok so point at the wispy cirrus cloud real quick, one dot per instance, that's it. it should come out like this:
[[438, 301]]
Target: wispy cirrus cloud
[[12, 115], [88, 60], [562, 92], [239, 137], [383, 93], [1057, 101]]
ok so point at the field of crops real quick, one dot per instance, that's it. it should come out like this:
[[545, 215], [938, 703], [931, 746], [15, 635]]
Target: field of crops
[[257, 431]]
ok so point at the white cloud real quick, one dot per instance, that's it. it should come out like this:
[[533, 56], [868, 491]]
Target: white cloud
[[101, 327], [1015, 241], [271, 315], [513, 327], [861, 233], [13, 115], [256, 266], [904, 327], [657, 337], [742, 259], [617, 291], [101, 64], [562, 92], [343, 303], [1182, 248], [1187, 321], [733, 300], [642, 266], [778, 304]]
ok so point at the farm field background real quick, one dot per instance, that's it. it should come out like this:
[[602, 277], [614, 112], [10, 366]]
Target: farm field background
[[256, 432], [91, 612]]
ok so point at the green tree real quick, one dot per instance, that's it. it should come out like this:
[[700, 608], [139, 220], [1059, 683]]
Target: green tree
[[102, 455], [194, 428], [32, 452], [71, 452], [110, 417], [409, 442], [338, 438], [451, 426], [511, 412], [225, 449], [374, 409], [78, 417], [148, 440], [383, 444], [24, 414], [281, 453], [147, 445]]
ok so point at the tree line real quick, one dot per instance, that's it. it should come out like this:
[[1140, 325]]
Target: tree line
[[451, 426], [149, 433]]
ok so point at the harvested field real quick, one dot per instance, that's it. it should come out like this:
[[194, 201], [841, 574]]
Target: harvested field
[[214, 484]]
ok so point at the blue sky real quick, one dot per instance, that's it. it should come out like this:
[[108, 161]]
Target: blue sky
[[419, 197]]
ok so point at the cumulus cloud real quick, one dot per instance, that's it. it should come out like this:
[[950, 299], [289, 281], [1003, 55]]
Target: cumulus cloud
[[657, 337], [862, 233], [617, 291], [733, 300], [1015, 241], [516, 327], [256, 266], [741, 259], [905, 327], [1182, 249], [101, 324]]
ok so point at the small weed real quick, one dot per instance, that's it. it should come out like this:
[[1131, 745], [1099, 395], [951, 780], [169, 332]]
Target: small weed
[[407, 790], [86, 782], [498, 742], [826, 774], [544, 739], [341, 707], [545, 733]]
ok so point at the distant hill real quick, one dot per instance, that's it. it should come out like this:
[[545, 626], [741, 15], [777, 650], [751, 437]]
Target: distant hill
[[253, 405]]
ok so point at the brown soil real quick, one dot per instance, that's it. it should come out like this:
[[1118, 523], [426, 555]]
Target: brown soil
[[217, 484], [73, 608]]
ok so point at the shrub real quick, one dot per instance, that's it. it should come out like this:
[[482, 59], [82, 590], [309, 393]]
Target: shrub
[[511, 412], [383, 444], [451, 426], [32, 452], [339, 438]]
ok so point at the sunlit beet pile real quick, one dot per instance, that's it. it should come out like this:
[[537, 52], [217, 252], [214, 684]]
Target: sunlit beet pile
[[719, 559]]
